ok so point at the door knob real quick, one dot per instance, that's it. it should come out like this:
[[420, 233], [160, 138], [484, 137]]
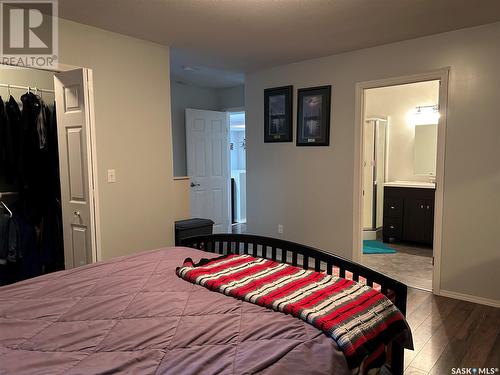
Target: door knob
[[76, 213], [193, 184]]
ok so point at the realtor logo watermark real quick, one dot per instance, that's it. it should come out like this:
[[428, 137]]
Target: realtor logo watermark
[[474, 370], [28, 33]]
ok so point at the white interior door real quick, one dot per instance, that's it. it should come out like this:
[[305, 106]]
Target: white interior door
[[207, 147], [73, 127]]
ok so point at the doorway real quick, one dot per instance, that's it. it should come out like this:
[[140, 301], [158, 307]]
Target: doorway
[[237, 154], [46, 181], [216, 165], [401, 160]]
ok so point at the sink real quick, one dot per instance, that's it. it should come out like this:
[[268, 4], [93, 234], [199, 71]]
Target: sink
[[411, 184]]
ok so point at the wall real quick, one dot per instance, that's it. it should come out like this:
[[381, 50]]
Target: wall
[[26, 77], [231, 97], [396, 102], [188, 96], [133, 134], [310, 189], [182, 199]]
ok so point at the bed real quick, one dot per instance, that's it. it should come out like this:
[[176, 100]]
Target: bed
[[134, 315]]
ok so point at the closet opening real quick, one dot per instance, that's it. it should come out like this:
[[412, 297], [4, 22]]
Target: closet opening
[[47, 205]]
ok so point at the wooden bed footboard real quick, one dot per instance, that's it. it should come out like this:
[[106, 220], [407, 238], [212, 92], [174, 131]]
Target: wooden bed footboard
[[309, 258]]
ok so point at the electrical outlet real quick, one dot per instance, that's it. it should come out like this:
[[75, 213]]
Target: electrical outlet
[[280, 228], [111, 175]]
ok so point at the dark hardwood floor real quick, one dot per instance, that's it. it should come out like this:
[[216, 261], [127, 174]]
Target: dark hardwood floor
[[449, 333]]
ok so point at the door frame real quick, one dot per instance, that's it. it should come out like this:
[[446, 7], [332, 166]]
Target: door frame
[[95, 217], [443, 76], [95, 224]]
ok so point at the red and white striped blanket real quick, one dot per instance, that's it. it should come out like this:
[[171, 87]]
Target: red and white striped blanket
[[360, 319]]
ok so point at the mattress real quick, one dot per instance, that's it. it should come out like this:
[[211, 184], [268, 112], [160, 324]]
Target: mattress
[[134, 315]]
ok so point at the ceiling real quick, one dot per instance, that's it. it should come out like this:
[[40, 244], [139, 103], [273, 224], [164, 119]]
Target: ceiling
[[236, 36], [186, 69]]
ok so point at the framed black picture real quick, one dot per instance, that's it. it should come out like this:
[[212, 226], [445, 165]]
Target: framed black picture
[[278, 114], [313, 116]]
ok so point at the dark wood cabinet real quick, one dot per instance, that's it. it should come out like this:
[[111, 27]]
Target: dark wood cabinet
[[408, 214]]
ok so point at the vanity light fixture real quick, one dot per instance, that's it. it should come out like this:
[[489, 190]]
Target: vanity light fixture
[[426, 115]]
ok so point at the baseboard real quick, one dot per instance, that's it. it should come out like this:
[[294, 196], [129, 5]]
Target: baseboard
[[369, 235], [470, 298]]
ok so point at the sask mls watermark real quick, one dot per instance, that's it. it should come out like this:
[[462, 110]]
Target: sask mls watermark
[[474, 370], [28, 33]]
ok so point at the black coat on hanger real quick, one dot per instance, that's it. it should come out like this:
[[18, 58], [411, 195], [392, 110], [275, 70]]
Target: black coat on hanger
[[3, 140], [10, 129]]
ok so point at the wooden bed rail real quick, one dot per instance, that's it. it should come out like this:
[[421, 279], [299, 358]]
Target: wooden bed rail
[[308, 258]]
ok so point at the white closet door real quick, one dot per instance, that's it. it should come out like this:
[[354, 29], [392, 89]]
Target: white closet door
[[207, 146], [73, 127]]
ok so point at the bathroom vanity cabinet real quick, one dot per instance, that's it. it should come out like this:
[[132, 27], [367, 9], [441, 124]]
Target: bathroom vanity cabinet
[[409, 214]]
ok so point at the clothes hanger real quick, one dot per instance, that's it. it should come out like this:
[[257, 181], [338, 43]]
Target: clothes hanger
[[5, 207], [2, 204]]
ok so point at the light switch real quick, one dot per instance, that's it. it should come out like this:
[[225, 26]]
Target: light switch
[[111, 175]]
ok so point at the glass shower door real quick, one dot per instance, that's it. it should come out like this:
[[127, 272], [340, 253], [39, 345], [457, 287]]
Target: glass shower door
[[380, 170], [374, 172], [368, 174]]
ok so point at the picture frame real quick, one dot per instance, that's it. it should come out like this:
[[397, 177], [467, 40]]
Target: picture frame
[[313, 116], [278, 107]]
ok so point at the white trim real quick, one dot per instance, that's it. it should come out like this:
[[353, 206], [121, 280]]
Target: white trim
[[369, 234], [442, 76], [90, 170], [95, 208], [470, 298], [440, 165]]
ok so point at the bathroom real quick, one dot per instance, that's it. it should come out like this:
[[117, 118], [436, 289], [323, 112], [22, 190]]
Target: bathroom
[[400, 144]]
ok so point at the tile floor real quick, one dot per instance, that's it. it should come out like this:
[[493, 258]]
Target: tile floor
[[411, 265]]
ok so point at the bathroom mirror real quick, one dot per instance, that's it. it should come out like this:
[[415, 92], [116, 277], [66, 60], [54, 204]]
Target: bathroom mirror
[[425, 149]]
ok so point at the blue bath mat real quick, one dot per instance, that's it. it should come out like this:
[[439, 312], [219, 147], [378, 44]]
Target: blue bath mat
[[376, 247]]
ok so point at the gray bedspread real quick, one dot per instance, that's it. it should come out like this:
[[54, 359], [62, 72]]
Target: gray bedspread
[[134, 315]]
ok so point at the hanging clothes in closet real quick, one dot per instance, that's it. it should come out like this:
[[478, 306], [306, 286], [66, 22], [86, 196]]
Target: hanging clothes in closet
[[29, 166]]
